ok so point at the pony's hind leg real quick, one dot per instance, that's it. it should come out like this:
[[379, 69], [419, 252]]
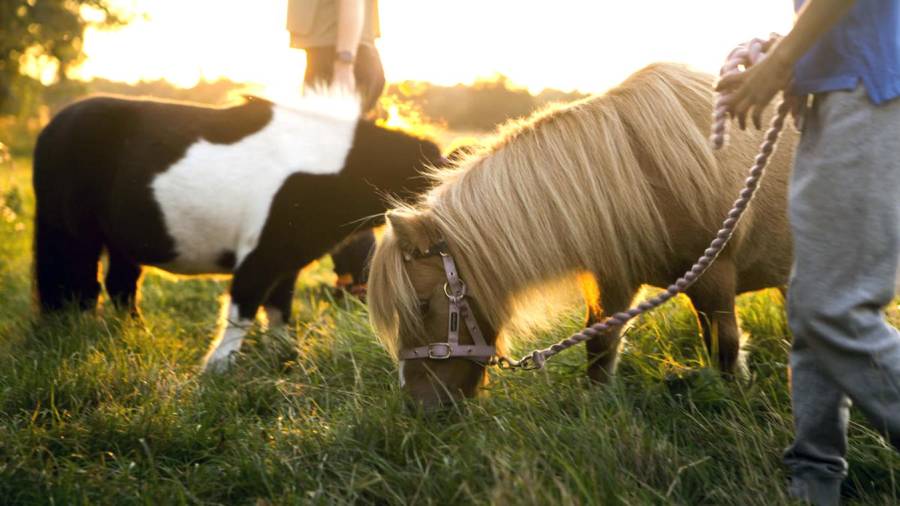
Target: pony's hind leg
[[713, 299], [351, 259], [603, 350], [66, 267], [122, 283]]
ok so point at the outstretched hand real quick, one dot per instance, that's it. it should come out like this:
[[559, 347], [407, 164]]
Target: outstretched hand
[[749, 92]]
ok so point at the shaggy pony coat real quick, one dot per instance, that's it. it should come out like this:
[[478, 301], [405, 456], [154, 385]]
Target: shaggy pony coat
[[621, 188]]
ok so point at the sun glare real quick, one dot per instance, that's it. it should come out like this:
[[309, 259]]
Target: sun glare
[[565, 44]]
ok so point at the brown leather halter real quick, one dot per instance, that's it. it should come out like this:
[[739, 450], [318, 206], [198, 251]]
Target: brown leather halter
[[460, 311]]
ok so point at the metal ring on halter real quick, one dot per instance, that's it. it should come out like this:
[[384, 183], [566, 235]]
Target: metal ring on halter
[[455, 298], [439, 351]]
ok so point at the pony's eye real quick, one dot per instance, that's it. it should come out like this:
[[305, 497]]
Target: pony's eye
[[424, 305]]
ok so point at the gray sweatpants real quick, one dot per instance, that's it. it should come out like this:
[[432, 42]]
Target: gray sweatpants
[[845, 214]]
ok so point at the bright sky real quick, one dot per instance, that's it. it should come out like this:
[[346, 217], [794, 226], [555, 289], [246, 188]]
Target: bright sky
[[588, 45]]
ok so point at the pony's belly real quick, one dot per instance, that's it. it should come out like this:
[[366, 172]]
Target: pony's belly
[[194, 266], [210, 242], [207, 245], [205, 241]]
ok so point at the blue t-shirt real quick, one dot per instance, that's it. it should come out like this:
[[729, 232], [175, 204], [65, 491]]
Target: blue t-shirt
[[864, 47]]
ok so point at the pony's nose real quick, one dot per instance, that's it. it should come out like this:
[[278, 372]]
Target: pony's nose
[[432, 406], [436, 408], [432, 401]]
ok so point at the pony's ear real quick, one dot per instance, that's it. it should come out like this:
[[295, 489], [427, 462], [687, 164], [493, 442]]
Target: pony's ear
[[411, 229]]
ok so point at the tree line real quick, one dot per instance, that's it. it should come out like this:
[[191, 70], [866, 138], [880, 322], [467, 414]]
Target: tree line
[[51, 33], [475, 107]]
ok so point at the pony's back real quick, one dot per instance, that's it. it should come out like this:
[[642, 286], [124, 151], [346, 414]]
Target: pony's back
[[557, 186]]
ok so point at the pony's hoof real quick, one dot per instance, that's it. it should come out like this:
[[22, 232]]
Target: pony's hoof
[[219, 363]]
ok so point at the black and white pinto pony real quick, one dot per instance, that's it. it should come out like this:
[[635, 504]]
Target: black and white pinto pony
[[257, 190]]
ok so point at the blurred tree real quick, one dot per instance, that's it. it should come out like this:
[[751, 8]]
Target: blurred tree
[[480, 106], [46, 33]]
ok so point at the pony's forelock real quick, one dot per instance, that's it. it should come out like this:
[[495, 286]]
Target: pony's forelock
[[393, 304]]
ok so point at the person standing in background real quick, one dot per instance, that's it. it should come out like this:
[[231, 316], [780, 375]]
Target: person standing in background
[[339, 39]]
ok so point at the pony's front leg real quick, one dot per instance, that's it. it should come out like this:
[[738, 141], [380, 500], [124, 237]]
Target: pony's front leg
[[602, 353], [279, 301], [251, 284], [228, 340], [603, 350], [713, 299]]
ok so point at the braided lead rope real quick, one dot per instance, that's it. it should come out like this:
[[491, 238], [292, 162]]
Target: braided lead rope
[[745, 56]]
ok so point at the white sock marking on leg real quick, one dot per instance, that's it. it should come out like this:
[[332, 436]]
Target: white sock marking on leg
[[228, 342]]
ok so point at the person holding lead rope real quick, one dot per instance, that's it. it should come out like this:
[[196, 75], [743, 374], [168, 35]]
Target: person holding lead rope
[[845, 214]]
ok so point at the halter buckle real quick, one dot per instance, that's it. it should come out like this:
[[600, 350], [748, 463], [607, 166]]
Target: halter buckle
[[439, 351], [456, 297]]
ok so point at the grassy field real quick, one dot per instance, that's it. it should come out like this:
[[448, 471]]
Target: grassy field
[[102, 410]]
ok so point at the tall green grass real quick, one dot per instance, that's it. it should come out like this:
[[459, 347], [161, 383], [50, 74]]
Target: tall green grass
[[105, 410]]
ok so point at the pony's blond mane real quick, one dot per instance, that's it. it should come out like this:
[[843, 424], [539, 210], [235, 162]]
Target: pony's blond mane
[[330, 102], [572, 188]]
